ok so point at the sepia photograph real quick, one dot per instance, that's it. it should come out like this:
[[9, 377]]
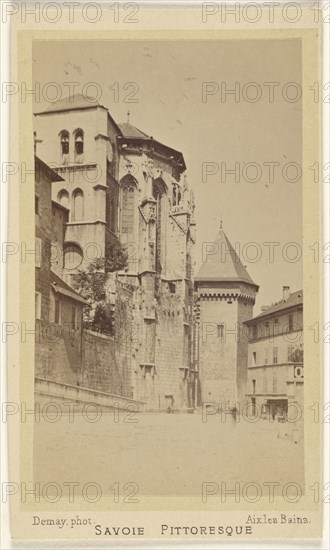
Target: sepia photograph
[[164, 263], [169, 299]]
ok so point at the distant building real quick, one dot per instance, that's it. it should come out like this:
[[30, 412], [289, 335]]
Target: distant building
[[275, 364], [225, 296]]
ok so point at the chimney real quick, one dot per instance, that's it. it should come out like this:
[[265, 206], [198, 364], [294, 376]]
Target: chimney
[[286, 293]]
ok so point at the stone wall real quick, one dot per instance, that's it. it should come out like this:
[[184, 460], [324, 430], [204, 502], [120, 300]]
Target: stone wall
[[58, 353], [46, 391], [86, 358], [101, 371], [160, 346], [60, 216], [245, 312], [218, 350], [43, 192]]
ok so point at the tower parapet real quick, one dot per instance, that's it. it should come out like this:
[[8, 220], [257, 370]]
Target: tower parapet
[[224, 296]]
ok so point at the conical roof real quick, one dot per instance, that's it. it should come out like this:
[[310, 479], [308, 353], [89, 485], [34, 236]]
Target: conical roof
[[222, 264]]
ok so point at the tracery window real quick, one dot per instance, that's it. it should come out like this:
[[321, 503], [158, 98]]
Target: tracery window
[[127, 220]]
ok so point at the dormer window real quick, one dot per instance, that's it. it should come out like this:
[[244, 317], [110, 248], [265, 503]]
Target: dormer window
[[79, 146], [65, 145]]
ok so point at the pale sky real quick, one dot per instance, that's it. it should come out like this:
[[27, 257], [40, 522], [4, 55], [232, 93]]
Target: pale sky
[[168, 77]]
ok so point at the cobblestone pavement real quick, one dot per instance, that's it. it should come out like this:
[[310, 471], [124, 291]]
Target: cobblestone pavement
[[165, 454]]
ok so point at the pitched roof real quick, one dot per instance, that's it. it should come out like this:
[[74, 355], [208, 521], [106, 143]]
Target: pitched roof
[[78, 101], [130, 131], [295, 299], [223, 264], [63, 288], [125, 130], [42, 169]]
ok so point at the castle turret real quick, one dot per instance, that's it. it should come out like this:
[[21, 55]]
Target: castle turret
[[225, 296]]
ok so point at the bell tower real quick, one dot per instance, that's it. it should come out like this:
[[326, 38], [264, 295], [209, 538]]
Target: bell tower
[[224, 297]]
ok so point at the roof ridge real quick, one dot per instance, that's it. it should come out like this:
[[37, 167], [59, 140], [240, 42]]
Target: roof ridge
[[72, 101], [128, 124], [281, 305]]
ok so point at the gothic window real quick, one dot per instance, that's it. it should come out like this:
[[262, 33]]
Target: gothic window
[[78, 205], [79, 146], [158, 191], [65, 145], [112, 206], [128, 189], [63, 198]]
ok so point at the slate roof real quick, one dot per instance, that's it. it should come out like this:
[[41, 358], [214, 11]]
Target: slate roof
[[295, 299], [130, 131], [78, 101], [224, 265], [42, 169], [63, 288], [125, 130]]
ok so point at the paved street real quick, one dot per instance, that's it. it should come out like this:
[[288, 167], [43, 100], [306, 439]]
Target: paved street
[[165, 454]]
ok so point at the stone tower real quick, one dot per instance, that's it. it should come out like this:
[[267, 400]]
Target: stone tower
[[224, 297], [78, 139]]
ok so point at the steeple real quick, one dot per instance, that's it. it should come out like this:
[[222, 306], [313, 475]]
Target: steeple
[[222, 263]]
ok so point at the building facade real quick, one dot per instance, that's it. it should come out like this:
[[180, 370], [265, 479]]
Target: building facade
[[275, 356], [225, 296], [58, 308], [118, 183]]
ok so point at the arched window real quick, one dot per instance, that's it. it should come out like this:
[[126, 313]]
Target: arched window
[[79, 146], [63, 198], [65, 146], [78, 205], [159, 191], [127, 218]]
